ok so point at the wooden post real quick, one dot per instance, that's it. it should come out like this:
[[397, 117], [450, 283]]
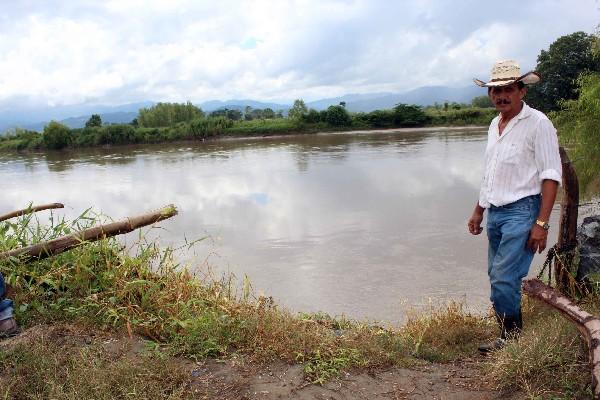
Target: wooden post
[[587, 324], [64, 243], [567, 231]]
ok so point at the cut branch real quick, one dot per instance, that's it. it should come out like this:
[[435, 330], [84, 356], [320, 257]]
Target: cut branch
[[587, 324], [64, 243], [28, 210]]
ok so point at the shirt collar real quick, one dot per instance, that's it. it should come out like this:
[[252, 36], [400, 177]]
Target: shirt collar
[[525, 111]]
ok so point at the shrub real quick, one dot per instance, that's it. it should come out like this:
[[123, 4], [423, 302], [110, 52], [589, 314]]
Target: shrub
[[168, 114], [312, 117], [202, 128], [56, 136], [337, 116], [409, 115]]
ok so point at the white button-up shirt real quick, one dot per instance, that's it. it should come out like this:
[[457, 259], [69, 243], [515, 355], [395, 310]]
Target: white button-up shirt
[[517, 161]]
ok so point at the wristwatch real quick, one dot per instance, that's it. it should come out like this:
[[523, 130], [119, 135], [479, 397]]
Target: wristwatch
[[543, 224]]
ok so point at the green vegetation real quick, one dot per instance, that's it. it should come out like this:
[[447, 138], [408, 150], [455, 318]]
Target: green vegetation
[[550, 360], [168, 114], [150, 126], [578, 123], [482, 102], [298, 110], [166, 122], [560, 66], [461, 116], [54, 363], [56, 136], [94, 121]]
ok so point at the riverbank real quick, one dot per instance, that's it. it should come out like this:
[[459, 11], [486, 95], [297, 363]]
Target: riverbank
[[72, 361], [258, 137], [101, 321]]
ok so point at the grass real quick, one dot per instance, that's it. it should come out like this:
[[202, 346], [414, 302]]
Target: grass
[[143, 291], [53, 364], [549, 360], [263, 127]]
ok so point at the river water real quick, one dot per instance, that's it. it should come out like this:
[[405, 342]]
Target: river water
[[363, 224]]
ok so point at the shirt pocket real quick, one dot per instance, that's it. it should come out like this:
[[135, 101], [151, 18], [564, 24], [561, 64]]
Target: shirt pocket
[[510, 154]]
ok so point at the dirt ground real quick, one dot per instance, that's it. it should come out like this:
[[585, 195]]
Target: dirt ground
[[236, 378], [225, 380]]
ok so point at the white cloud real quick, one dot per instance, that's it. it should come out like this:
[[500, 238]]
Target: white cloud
[[68, 52]]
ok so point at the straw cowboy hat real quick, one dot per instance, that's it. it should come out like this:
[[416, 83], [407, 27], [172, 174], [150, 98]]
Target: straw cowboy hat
[[506, 72]]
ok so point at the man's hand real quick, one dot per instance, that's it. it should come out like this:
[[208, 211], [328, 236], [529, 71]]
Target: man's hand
[[474, 223], [538, 237]]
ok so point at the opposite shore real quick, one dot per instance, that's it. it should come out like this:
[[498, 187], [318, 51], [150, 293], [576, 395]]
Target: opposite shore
[[193, 125]]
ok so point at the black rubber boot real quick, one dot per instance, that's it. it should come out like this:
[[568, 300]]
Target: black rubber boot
[[510, 328]]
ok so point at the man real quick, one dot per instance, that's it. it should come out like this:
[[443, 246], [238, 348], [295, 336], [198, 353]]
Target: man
[[522, 174], [8, 325]]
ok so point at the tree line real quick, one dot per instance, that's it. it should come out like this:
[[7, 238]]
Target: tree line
[[158, 124]]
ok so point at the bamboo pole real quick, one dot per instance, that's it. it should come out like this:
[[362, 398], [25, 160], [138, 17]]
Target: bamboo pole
[[31, 209], [67, 242], [587, 324], [567, 232]]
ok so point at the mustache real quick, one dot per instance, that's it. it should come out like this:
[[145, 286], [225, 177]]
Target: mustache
[[502, 101]]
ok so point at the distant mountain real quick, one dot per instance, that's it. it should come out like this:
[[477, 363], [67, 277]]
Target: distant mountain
[[423, 96], [209, 106], [120, 117], [348, 99], [36, 118]]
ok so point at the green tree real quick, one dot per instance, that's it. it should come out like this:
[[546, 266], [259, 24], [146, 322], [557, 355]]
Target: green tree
[[482, 102], [268, 113], [312, 116], [337, 116], [248, 113], [409, 115], [560, 66], [206, 127], [56, 136], [234, 115], [94, 121], [168, 114], [298, 110], [257, 113]]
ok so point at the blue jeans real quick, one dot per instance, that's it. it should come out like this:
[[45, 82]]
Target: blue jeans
[[6, 308], [509, 258]]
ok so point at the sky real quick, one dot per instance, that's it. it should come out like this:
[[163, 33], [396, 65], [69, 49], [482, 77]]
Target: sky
[[120, 51]]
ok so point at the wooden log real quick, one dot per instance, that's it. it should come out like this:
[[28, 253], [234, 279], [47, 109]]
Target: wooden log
[[31, 209], [587, 324], [567, 231], [67, 242]]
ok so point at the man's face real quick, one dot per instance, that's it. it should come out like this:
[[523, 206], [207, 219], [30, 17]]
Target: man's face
[[507, 99]]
